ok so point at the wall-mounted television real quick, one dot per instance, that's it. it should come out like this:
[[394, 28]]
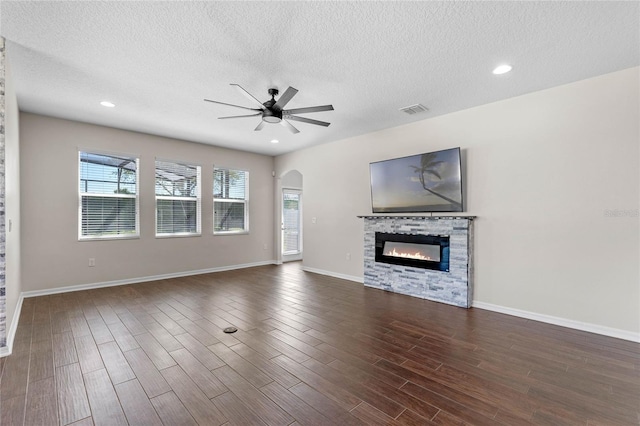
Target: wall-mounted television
[[430, 182]]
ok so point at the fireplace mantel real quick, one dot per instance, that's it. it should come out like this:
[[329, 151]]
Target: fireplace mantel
[[386, 216], [453, 287]]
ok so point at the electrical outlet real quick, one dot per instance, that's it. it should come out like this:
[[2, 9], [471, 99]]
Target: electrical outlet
[[313, 220], [92, 262], [264, 246], [348, 256]]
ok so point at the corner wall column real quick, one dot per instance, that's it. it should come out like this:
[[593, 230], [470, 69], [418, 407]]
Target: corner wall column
[[3, 297]]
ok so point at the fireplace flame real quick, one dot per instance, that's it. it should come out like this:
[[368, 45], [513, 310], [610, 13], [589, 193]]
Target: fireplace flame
[[417, 255]]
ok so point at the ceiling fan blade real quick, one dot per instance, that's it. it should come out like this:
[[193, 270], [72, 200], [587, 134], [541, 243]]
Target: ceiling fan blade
[[307, 120], [289, 126], [237, 106], [248, 95], [309, 109], [240, 116], [260, 126], [285, 97]]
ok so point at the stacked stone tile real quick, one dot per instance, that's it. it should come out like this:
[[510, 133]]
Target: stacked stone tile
[[3, 310], [453, 287]]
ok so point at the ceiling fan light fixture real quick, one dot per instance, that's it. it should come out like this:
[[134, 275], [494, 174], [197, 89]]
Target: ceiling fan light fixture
[[271, 116], [274, 141]]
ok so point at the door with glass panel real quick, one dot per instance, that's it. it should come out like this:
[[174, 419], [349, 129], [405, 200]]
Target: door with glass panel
[[291, 224]]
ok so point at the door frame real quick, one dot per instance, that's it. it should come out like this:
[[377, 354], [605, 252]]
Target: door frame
[[298, 255]]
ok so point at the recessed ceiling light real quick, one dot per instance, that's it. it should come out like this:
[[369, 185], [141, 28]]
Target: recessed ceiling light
[[107, 104], [502, 69], [274, 141]]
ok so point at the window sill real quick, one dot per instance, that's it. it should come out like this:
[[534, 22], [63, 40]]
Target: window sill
[[161, 236], [231, 233], [115, 238]]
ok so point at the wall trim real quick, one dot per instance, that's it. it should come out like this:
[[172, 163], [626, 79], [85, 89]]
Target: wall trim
[[563, 322], [6, 350], [291, 257], [137, 280], [333, 274]]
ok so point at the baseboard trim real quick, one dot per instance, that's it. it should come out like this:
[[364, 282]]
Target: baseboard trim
[[563, 322], [6, 350], [137, 280], [333, 274], [291, 258]]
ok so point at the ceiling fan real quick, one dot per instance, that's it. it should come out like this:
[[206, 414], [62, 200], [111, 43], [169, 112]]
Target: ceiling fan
[[273, 111]]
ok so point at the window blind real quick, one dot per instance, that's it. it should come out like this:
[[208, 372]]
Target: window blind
[[177, 198], [230, 200], [108, 189], [291, 223]]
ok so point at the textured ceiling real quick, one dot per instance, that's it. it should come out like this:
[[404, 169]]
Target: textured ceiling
[[158, 60]]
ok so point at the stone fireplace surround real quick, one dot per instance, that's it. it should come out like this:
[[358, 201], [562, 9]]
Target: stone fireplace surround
[[453, 287]]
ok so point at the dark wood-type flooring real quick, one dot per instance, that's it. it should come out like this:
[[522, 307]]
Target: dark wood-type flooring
[[309, 350]]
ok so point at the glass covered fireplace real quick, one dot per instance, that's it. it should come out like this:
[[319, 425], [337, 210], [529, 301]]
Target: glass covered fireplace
[[418, 251]]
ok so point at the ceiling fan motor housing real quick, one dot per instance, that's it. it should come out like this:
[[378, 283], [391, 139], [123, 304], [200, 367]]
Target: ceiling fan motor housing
[[271, 114]]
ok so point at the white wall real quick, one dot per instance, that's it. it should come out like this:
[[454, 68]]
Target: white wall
[[51, 253], [12, 199], [292, 180], [541, 171]]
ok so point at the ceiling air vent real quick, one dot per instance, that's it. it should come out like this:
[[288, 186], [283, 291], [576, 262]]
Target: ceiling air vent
[[414, 109]]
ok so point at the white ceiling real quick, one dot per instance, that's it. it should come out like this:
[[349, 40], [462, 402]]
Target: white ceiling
[[158, 60]]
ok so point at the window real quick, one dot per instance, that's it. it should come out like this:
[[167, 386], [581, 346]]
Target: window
[[177, 199], [108, 196], [230, 201]]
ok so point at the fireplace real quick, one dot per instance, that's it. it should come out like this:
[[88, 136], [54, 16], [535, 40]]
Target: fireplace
[[418, 251], [444, 272]]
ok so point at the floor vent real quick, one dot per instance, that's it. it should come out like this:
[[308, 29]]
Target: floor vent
[[414, 109]]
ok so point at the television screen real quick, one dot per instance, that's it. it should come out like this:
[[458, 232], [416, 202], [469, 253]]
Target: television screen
[[430, 182]]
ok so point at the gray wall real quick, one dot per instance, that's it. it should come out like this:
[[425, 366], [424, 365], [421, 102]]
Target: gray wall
[[553, 177], [52, 255]]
